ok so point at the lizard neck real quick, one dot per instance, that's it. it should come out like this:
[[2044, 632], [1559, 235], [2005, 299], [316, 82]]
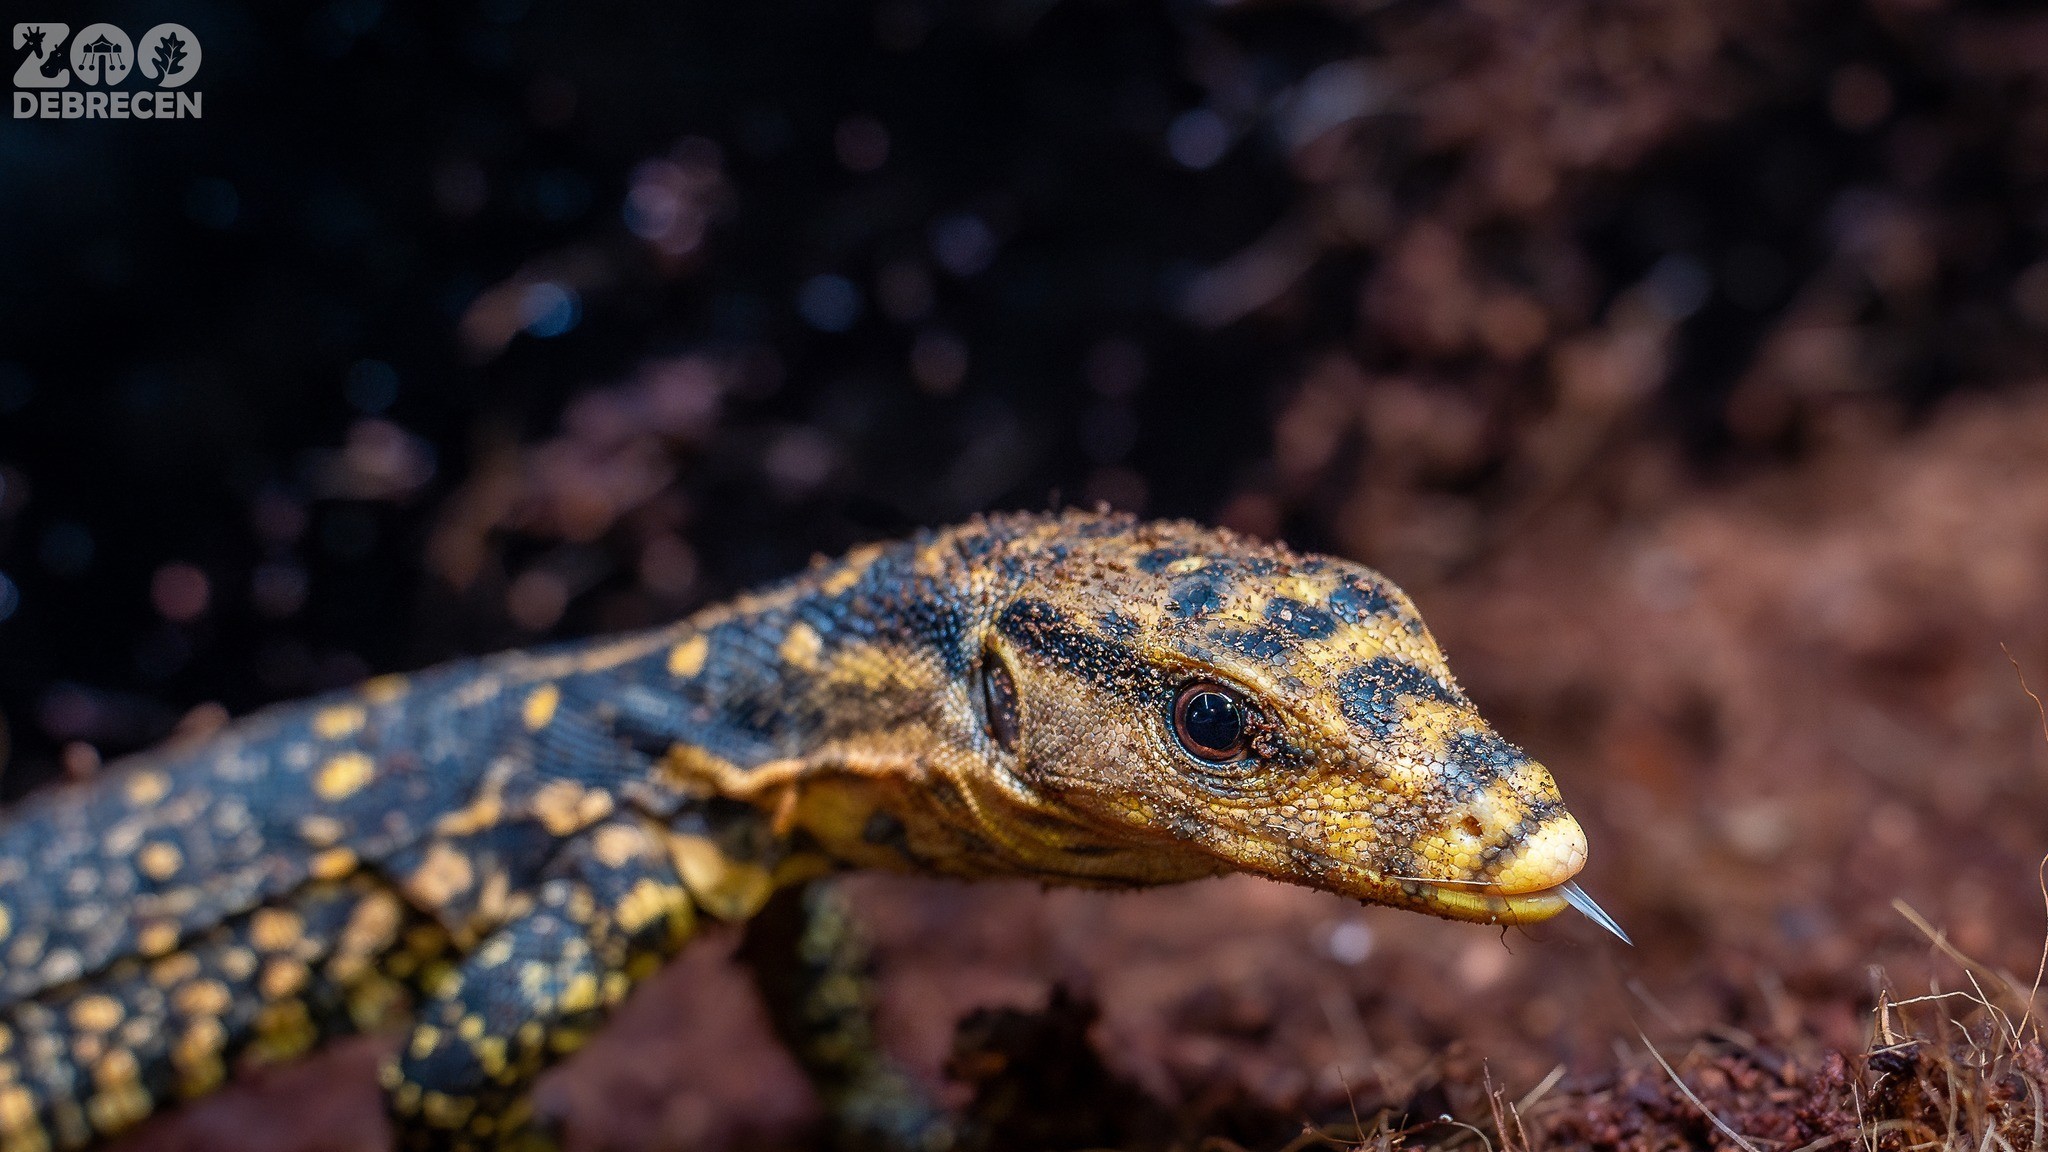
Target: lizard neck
[[826, 701]]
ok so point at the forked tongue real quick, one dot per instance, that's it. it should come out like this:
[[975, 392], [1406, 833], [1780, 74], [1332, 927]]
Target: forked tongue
[[1577, 898]]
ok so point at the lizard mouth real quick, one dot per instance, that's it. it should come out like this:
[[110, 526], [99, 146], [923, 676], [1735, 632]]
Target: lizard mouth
[[1492, 906], [1535, 885]]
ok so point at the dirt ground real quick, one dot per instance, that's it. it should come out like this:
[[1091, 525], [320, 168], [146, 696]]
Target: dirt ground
[[1686, 360], [1779, 706]]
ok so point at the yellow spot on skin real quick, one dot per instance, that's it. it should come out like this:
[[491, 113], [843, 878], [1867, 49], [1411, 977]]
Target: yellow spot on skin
[[406, 1098], [237, 963], [647, 902], [321, 831], [197, 1058], [332, 864], [96, 1013], [383, 689], [615, 845], [533, 984], [339, 721], [442, 876], [370, 930], [563, 806], [425, 1039], [283, 1030], [87, 1047], [17, 1111], [275, 929], [375, 1002], [122, 838], [728, 889], [851, 570], [442, 980], [159, 860], [581, 994], [496, 895], [687, 658], [801, 646], [174, 970], [146, 788], [282, 977], [595, 805], [116, 1068], [119, 1109], [6, 922], [445, 1111], [490, 1055], [540, 706], [344, 775], [139, 1031], [203, 998], [483, 812], [156, 938]]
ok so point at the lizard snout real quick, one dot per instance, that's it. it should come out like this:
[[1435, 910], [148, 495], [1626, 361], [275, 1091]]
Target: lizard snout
[[1546, 858]]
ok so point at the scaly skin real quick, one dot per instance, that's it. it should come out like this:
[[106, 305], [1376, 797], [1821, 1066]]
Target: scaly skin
[[497, 850]]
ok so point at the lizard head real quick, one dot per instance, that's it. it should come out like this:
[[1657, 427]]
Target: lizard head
[[1160, 701]]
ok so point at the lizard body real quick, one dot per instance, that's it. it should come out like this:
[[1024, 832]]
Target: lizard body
[[496, 850]]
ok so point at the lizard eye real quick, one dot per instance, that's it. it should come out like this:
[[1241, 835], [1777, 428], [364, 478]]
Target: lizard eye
[[1211, 722], [999, 701]]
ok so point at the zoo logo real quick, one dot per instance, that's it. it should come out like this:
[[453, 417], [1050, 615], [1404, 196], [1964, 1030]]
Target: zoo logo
[[101, 56]]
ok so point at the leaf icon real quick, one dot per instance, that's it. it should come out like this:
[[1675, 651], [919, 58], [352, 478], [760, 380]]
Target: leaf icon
[[170, 55]]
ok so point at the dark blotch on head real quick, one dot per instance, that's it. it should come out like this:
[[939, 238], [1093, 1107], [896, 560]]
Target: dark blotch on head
[[890, 602], [1156, 560], [1304, 620], [1262, 644], [1357, 603], [1478, 758], [1371, 693], [1118, 626], [1043, 629], [1484, 753], [934, 620], [1195, 596]]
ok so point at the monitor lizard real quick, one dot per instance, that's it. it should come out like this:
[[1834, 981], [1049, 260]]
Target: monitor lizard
[[493, 852]]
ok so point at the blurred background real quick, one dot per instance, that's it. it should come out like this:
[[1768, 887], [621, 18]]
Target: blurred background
[[1687, 361]]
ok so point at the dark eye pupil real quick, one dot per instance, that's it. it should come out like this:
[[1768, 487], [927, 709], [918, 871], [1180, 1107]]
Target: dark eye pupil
[[999, 702], [1211, 723]]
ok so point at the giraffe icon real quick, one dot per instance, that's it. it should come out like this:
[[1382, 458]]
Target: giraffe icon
[[43, 64]]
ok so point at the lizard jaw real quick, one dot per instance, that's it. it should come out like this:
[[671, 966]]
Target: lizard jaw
[[1534, 886], [1494, 907], [1485, 905]]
